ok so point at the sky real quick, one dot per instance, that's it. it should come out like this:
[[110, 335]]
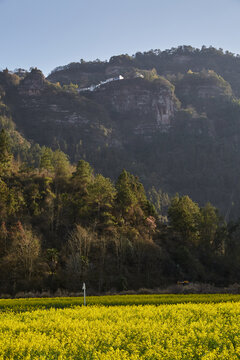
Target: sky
[[50, 33]]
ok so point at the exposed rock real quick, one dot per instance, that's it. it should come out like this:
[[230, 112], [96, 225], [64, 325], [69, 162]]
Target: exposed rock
[[32, 84], [151, 106]]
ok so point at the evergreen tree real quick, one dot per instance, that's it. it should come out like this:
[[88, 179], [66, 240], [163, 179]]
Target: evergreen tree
[[184, 217], [101, 200], [82, 177], [60, 164], [131, 198], [5, 153], [46, 160], [126, 197]]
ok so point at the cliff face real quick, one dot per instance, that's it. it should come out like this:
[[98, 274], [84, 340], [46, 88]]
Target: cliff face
[[149, 106], [50, 116], [33, 84]]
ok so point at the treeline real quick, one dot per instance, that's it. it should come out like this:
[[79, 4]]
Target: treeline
[[171, 61], [62, 225]]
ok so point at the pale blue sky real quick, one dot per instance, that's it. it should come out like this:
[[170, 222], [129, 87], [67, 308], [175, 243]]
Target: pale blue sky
[[49, 33]]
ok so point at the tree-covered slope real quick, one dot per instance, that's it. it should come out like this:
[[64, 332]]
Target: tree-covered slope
[[173, 120], [61, 225]]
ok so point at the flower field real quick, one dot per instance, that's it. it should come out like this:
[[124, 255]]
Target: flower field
[[113, 300], [179, 331]]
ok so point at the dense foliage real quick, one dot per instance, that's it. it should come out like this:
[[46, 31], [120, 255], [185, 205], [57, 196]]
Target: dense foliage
[[62, 225]]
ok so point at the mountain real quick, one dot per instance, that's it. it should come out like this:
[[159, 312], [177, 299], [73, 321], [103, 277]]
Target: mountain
[[171, 117]]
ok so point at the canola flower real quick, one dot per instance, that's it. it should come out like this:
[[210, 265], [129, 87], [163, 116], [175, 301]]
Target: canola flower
[[113, 300], [169, 332]]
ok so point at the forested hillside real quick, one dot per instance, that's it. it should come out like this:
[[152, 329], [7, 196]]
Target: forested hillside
[[170, 117], [62, 225], [68, 210]]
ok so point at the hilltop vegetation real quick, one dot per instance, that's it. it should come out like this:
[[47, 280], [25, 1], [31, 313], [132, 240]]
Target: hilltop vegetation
[[171, 61]]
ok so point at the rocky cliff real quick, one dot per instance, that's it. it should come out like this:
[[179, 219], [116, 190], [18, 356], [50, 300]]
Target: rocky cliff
[[148, 106]]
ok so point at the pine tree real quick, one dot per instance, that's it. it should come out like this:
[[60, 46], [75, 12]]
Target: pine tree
[[185, 217], [5, 153], [46, 161], [101, 199], [82, 177]]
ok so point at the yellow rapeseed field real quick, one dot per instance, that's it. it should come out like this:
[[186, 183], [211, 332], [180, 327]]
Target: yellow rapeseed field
[[169, 332]]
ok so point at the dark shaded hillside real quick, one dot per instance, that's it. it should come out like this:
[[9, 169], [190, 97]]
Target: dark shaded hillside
[[63, 223], [174, 120], [51, 116]]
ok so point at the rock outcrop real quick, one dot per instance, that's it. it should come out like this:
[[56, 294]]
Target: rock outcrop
[[149, 106], [32, 84]]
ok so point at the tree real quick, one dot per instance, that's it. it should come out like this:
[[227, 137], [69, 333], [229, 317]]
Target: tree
[[77, 201], [11, 200], [78, 248], [3, 199], [209, 224], [52, 256], [125, 195], [5, 153], [131, 200], [161, 202], [184, 217], [60, 164], [82, 177], [3, 239], [130, 191], [101, 200], [46, 160], [24, 251]]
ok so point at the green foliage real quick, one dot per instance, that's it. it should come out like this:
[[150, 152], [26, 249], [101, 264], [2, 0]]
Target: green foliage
[[5, 153], [61, 164], [46, 161], [132, 246], [83, 176], [126, 195], [109, 235], [129, 191], [184, 217], [71, 88], [209, 225], [101, 200]]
